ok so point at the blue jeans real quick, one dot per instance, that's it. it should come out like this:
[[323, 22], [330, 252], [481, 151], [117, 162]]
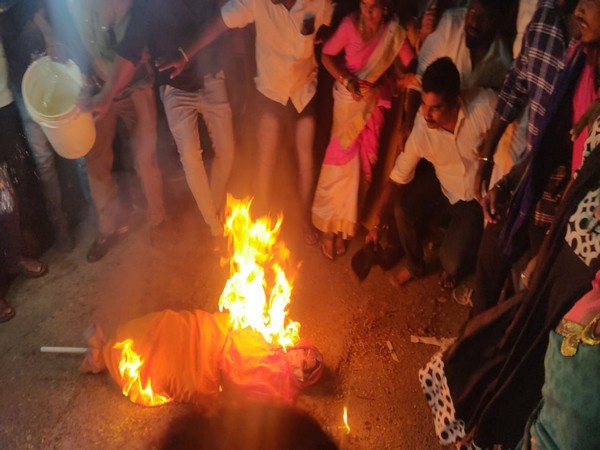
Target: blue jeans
[[44, 158]]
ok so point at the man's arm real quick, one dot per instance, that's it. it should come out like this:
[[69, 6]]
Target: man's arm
[[382, 208], [486, 155], [495, 204], [120, 76], [512, 99], [176, 64], [402, 174]]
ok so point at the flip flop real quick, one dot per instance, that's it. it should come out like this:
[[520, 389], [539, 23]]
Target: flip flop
[[8, 312]]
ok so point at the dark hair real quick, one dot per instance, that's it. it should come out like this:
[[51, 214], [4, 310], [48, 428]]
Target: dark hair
[[248, 426], [441, 77], [570, 6], [494, 5]]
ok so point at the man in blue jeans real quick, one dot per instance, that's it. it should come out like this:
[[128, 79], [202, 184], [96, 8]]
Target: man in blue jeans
[[446, 133], [27, 35]]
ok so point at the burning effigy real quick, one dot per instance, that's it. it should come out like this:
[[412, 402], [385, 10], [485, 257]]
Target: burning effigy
[[250, 347]]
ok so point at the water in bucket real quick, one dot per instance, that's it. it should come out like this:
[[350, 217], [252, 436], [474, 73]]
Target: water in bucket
[[58, 98], [50, 92]]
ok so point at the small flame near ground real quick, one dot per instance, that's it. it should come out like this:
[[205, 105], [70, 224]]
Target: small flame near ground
[[258, 292], [346, 420], [129, 368]]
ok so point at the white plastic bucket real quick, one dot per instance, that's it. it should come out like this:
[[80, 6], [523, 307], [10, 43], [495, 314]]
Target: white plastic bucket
[[50, 93]]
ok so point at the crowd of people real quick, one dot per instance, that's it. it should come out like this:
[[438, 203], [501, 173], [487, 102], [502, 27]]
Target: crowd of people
[[491, 111]]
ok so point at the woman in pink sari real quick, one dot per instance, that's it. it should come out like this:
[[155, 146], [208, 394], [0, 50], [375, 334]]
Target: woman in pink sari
[[371, 41]]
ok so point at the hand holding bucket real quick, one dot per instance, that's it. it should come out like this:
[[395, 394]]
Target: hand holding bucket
[[51, 92]]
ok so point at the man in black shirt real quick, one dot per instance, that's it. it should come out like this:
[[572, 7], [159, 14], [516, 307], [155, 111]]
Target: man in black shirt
[[163, 26]]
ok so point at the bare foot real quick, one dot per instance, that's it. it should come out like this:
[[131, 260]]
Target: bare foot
[[340, 245], [447, 281], [310, 235], [327, 246], [401, 277]]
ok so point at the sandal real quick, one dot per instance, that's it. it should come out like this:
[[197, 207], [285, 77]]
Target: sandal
[[327, 246], [31, 268], [7, 312]]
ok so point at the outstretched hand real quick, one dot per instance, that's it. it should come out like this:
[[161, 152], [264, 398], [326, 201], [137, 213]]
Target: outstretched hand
[[174, 63], [495, 205], [98, 105]]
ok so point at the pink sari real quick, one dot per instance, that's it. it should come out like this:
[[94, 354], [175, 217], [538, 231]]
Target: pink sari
[[354, 143]]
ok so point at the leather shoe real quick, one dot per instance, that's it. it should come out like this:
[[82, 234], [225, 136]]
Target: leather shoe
[[100, 247]]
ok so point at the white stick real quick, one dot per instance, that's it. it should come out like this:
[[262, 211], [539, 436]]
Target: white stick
[[76, 350]]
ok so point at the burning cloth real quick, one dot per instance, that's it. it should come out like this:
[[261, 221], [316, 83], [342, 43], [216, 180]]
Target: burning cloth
[[189, 356]]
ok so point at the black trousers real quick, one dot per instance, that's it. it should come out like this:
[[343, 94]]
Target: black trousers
[[422, 202]]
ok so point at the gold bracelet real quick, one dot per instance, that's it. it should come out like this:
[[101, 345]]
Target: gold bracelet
[[185, 56]]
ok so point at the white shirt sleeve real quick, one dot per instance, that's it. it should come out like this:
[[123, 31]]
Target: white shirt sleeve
[[326, 14], [430, 50], [407, 161], [238, 13]]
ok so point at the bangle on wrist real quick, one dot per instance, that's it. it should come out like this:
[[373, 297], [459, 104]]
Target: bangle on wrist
[[486, 159], [184, 54]]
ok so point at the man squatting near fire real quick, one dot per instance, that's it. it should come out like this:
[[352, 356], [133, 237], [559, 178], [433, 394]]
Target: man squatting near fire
[[470, 37], [445, 133], [286, 83]]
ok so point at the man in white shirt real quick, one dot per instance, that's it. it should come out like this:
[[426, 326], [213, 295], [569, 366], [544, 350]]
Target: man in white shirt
[[286, 82], [447, 132], [469, 36]]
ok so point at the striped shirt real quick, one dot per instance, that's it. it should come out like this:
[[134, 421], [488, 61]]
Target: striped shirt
[[533, 74], [531, 80]]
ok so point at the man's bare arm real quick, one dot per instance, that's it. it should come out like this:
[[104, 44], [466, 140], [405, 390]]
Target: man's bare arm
[[486, 156], [177, 62], [120, 76]]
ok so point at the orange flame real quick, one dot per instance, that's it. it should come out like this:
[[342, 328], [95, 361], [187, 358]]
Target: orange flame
[[129, 368], [346, 420], [255, 251]]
